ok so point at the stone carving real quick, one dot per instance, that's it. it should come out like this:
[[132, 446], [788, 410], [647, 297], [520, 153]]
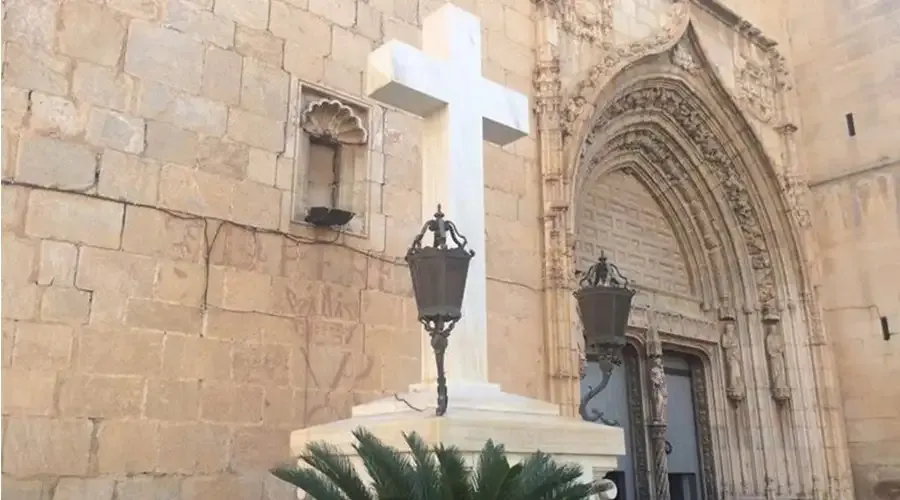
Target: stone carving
[[734, 376], [716, 155], [333, 121], [774, 341], [616, 57], [704, 427], [756, 90], [683, 58], [590, 20], [547, 87], [637, 419]]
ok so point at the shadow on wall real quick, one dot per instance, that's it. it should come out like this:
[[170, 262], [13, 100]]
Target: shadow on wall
[[887, 490]]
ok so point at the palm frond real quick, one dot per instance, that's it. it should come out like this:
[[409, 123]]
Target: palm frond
[[314, 483], [329, 461], [456, 477], [391, 473], [428, 476], [490, 472], [542, 475]]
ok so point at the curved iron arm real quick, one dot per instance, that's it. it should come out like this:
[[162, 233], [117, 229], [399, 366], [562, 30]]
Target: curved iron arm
[[593, 415]]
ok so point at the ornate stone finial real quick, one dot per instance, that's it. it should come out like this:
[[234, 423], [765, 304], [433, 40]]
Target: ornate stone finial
[[333, 120]]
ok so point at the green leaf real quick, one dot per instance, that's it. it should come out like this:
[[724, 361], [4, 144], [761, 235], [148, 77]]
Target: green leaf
[[456, 478], [312, 482], [490, 473], [392, 475], [427, 479], [329, 461]]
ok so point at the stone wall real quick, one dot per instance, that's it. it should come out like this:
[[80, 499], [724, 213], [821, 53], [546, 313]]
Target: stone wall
[[847, 57], [621, 218], [165, 323]]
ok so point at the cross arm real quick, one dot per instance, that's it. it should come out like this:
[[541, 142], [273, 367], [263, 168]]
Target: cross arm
[[505, 113], [402, 76]]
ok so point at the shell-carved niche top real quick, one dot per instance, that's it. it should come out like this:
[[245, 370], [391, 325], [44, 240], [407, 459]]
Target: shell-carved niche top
[[334, 121]]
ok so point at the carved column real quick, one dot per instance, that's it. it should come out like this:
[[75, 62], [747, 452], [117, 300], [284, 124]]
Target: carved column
[[774, 340], [563, 359], [659, 395]]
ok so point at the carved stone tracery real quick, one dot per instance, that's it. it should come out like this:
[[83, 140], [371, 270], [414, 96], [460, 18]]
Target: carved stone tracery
[[616, 57], [715, 155]]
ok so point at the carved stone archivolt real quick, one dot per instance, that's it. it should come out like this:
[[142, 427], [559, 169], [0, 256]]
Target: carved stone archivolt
[[590, 20], [616, 57], [666, 100]]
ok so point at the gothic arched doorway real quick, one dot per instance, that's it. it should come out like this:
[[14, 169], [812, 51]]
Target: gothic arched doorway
[[672, 183]]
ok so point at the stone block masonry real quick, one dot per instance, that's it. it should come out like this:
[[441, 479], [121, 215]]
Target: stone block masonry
[[164, 325]]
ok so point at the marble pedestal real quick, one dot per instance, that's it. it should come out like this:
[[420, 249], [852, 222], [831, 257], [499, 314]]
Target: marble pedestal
[[476, 413]]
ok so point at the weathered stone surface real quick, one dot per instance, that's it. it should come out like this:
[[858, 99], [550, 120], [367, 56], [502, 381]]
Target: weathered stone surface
[[92, 32], [256, 130], [160, 102], [161, 316], [174, 400], [30, 22], [259, 44], [66, 305], [27, 489], [127, 446], [300, 64], [57, 263], [224, 487], [264, 90], [129, 178], [194, 448], [28, 392], [88, 221], [153, 232], [202, 24], [251, 13], [262, 166], [339, 12], [223, 157], [42, 346], [102, 86], [100, 396], [195, 191], [148, 488], [30, 68], [40, 445], [163, 55], [55, 163], [141, 9], [221, 75], [169, 143], [55, 115], [114, 130], [300, 26], [84, 489]]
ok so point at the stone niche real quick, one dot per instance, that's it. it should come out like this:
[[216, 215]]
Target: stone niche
[[332, 158]]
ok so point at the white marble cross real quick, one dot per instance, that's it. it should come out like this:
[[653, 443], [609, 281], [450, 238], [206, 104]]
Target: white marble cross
[[443, 84]]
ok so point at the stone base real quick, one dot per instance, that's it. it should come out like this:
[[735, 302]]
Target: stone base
[[476, 413]]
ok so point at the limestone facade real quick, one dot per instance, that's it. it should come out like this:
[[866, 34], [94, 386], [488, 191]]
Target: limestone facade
[[169, 318]]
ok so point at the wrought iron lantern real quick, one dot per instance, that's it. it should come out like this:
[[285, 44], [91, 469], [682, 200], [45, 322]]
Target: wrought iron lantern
[[604, 303], [439, 281]]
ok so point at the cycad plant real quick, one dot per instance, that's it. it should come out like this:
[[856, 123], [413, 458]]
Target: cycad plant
[[436, 473]]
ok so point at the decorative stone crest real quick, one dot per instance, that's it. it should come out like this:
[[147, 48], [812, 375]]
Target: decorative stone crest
[[683, 57], [590, 20], [616, 57], [756, 90], [333, 121]]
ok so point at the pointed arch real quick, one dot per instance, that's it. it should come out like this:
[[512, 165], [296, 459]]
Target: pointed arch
[[673, 124]]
